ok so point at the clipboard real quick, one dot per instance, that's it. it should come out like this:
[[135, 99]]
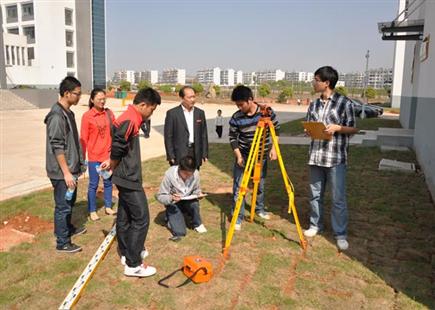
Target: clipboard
[[317, 130]]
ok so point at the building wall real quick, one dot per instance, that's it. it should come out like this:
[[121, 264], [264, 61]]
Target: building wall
[[84, 44]]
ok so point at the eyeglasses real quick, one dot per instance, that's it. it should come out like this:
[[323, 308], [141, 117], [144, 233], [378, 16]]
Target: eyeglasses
[[77, 94]]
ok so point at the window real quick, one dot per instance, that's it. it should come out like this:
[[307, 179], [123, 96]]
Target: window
[[70, 74], [30, 54], [13, 30], [23, 56], [27, 11], [68, 17], [29, 32], [11, 14], [69, 60], [13, 55], [69, 36], [7, 55]]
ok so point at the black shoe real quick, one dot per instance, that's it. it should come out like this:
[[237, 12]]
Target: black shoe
[[69, 248], [78, 231], [175, 238]]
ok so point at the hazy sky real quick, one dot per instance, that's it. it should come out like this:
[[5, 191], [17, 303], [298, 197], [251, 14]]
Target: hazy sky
[[246, 35]]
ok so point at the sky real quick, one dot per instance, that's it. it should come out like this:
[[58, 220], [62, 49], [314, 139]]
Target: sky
[[299, 35]]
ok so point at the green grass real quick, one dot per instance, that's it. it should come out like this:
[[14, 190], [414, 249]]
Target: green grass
[[388, 262], [294, 128]]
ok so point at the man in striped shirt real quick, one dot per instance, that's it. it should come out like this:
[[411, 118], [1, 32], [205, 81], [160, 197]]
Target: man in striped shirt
[[328, 158], [243, 124]]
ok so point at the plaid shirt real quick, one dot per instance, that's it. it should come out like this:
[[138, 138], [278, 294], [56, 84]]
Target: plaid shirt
[[337, 110]]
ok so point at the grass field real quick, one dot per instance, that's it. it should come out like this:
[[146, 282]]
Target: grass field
[[389, 264]]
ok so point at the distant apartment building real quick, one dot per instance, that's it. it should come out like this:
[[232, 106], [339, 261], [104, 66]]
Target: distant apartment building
[[151, 76], [249, 78], [269, 75], [299, 76], [353, 80], [380, 78], [238, 77], [208, 76], [173, 76], [43, 41], [227, 77], [124, 75]]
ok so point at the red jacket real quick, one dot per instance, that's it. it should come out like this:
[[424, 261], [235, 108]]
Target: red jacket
[[95, 134]]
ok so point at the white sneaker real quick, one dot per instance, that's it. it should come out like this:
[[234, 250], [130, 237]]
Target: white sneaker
[[311, 232], [342, 244], [140, 271], [238, 227], [201, 229], [264, 215], [143, 254]]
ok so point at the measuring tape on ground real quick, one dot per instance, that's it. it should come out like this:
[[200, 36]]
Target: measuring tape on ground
[[74, 295]]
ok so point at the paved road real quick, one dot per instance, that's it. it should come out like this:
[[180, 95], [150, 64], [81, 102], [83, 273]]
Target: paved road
[[22, 134]]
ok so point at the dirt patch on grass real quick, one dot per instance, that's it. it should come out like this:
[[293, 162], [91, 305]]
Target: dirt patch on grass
[[21, 228]]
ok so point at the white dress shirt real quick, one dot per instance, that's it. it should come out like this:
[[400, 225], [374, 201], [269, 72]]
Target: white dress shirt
[[188, 115]]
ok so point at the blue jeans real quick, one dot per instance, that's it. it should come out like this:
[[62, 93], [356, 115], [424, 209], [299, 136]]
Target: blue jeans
[[62, 212], [94, 178], [237, 180], [174, 214], [336, 176]]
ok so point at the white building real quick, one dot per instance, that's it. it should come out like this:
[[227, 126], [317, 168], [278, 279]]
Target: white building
[[173, 76], [238, 77], [270, 75], [414, 75], [379, 78], [249, 78], [227, 77], [354, 79], [208, 76], [43, 41], [151, 76], [299, 76]]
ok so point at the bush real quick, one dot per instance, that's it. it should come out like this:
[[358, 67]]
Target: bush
[[341, 90], [144, 84], [166, 88], [198, 88], [264, 90], [125, 85]]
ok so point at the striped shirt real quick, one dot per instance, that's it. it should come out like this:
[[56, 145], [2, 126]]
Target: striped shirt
[[242, 130], [337, 110]]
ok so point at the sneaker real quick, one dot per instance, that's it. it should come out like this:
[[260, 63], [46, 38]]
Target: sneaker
[[139, 271], [78, 231], [175, 238], [94, 216], [264, 215], [201, 229], [143, 254], [238, 227], [69, 248], [342, 244], [311, 232], [109, 211]]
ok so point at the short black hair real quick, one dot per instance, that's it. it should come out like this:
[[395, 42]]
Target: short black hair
[[242, 93], [327, 73], [182, 89], [68, 84], [147, 95], [187, 163]]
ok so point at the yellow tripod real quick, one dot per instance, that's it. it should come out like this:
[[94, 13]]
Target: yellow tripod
[[255, 159]]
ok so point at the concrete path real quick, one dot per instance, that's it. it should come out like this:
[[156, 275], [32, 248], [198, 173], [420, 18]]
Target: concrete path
[[22, 134]]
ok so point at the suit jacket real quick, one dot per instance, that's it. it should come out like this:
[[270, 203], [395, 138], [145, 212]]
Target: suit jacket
[[177, 135]]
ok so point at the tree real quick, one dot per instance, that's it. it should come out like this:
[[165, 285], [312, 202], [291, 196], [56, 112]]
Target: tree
[[341, 90], [264, 90], [125, 85], [285, 94], [144, 84], [178, 87], [198, 88], [166, 88], [370, 93], [217, 89]]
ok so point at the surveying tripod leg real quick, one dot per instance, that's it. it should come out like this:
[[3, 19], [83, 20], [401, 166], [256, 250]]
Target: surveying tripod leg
[[257, 174]]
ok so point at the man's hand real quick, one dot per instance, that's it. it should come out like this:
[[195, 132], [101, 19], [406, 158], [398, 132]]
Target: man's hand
[[204, 159], [172, 162], [332, 128], [240, 161], [105, 165], [176, 197], [69, 180], [307, 132], [272, 154]]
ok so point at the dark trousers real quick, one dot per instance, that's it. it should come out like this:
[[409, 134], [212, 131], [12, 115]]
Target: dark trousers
[[175, 215], [62, 212], [132, 222], [219, 131]]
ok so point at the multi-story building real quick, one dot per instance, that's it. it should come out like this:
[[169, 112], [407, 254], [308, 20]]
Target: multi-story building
[[353, 80], [270, 75], [173, 76], [249, 78], [43, 41], [299, 76], [151, 76], [379, 78], [238, 77], [227, 77], [208, 76], [124, 75]]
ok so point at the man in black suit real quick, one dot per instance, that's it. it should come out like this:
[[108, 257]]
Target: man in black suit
[[186, 130]]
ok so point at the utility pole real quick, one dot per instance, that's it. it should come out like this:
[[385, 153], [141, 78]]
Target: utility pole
[[366, 82]]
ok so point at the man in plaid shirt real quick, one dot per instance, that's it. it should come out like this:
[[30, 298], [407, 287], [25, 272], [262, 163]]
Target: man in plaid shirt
[[328, 158]]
